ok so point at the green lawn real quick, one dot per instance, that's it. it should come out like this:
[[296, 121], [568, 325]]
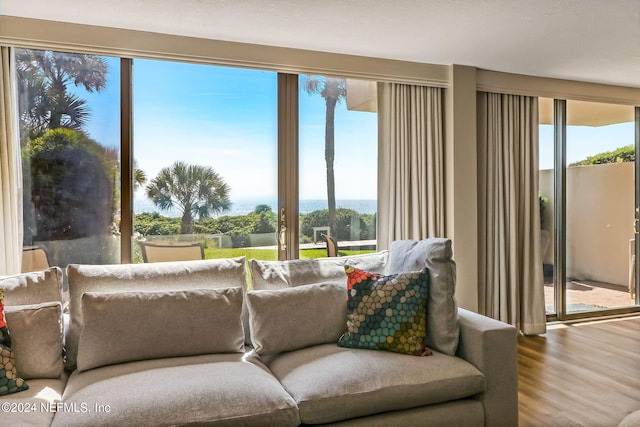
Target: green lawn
[[270, 255]]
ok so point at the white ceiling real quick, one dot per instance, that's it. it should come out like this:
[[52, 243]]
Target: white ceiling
[[590, 40]]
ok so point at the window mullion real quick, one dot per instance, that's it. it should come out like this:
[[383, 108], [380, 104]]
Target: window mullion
[[126, 160], [288, 244]]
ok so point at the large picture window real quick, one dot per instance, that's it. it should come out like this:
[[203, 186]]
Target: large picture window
[[69, 112], [205, 150]]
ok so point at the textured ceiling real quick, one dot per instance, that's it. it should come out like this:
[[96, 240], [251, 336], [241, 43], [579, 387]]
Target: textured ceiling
[[590, 40]]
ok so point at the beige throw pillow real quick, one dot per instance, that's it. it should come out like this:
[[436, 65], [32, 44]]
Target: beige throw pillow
[[36, 337], [443, 326], [129, 326], [293, 318]]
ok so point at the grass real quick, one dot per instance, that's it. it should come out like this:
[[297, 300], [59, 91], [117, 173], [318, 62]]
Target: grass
[[271, 255]]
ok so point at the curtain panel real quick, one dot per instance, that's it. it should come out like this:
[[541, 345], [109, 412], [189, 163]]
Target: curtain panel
[[511, 284], [10, 173], [410, 163]]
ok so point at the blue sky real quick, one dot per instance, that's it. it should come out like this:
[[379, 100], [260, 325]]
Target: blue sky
[[226, 118], [584, 141]]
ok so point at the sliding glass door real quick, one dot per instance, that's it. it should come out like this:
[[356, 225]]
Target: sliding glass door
[[338, 165], [590, 199], [205, 158]]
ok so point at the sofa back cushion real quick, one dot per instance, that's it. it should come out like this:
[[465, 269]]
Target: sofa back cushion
[[292, 318], [33, 288], [285, 274], [443, 329], [129, 326], [160, 276]]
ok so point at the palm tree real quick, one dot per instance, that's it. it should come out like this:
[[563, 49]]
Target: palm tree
[[196, 191], [333, 90], [44, 78]]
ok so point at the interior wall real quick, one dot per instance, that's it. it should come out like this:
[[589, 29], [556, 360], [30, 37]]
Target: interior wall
[[461, 197]]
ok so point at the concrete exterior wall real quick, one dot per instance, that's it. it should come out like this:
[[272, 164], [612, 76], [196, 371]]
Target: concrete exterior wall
[[600, 213]]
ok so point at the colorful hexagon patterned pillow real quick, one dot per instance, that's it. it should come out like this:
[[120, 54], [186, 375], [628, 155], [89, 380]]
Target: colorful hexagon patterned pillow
[[9, 380], [386, 312]]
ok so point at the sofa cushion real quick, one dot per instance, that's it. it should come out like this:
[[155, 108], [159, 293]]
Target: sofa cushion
[[33, 288], [386, 312], [10, 382], [285, 274], [35, 406], [458, 413], [36, 337], [160, 276], [331, 383], [292, 318], [128, 326], [443, 328], [220, 389]]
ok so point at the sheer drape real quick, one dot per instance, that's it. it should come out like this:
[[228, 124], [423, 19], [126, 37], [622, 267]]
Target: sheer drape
[[511, 285], [411, 163], [10, 174]]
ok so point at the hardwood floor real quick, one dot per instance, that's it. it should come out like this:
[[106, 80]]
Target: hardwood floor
[[584, 374]]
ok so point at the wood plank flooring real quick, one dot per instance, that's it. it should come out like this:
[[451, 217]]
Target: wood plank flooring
[[583, 374]]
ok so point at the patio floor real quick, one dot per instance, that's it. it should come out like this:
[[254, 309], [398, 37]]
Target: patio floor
[[588, 295]]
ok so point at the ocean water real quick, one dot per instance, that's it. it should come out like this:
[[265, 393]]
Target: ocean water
[[142, 204]]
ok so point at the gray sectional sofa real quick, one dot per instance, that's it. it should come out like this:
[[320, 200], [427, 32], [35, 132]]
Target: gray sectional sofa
[[186, 343]]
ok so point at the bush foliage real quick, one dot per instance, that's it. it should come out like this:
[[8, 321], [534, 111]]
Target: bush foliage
[[620, 155], [351, 225]]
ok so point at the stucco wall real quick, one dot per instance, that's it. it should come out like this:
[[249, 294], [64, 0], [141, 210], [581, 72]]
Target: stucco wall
[[600, 203]]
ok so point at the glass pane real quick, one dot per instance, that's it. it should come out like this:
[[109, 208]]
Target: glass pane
[[546, 200], [69, 108], [600, 205], [205, 159], [338, 165]]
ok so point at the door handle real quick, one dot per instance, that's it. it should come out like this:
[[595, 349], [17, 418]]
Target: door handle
[[635, 225], [282, 233]]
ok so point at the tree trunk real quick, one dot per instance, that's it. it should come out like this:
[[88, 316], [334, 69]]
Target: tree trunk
[[186, 225], [329, 154]]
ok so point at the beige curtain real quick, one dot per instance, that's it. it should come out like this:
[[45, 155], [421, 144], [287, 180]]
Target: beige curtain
[[410, 163], [511, 285], [10, 174]]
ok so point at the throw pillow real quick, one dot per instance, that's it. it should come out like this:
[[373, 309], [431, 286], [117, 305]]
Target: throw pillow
[[9, 380], [386, 312], [292, 318], [129, 326], [435, 253], [36, 339]]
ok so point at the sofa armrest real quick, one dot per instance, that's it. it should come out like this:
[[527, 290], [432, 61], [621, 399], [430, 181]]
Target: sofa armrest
[[491, 346]]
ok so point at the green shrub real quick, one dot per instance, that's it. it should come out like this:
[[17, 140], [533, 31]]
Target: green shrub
[[620, 155], [350, 224]]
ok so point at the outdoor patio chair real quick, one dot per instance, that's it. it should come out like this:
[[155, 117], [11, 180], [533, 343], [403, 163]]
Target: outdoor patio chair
[[161, 251], [332, 245], [35, 258]]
